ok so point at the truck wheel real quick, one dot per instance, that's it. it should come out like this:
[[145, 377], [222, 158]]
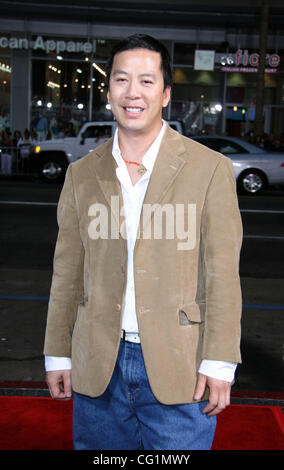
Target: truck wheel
[[53, 169]]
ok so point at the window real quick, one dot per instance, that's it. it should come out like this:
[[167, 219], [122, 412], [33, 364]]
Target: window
[[97, 132], [5, 86], [227, 147], [65, 93], [195, 97]]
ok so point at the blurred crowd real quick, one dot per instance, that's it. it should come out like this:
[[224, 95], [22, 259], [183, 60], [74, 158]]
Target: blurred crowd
[[269, 142], [15, 150]]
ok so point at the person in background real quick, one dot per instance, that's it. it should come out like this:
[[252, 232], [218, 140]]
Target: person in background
[[6, 146], [24, 146], [16, 151], [16, 138], [34, 137], [69, 131]]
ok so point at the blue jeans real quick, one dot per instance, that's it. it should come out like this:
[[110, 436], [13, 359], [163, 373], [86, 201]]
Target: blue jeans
[[127, 416]]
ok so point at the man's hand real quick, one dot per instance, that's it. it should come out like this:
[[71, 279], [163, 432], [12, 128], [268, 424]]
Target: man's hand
[[59, 384], [219, 396]]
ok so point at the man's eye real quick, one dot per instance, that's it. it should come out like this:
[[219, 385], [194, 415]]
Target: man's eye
[[147, 82], [120, 79]]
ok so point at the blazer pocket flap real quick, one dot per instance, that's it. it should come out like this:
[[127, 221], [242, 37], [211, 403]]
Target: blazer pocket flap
[[191, 313]]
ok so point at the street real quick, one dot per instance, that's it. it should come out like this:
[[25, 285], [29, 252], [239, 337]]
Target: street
[[28, 235]]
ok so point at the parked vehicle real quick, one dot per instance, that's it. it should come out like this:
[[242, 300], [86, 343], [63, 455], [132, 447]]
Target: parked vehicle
[[50, 158], [254, 167]]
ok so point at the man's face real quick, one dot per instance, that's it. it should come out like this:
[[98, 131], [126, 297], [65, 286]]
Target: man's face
[[136, 90]]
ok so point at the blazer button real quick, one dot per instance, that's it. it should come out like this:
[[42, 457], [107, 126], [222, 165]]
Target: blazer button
[[118, 307]]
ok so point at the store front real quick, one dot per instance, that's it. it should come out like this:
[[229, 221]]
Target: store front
[[69, 87], [52, 85], [218, 95]]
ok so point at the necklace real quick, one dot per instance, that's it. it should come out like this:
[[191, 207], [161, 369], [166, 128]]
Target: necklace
[[141, 168]]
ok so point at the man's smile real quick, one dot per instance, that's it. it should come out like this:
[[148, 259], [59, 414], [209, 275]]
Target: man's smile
[[134, 110]]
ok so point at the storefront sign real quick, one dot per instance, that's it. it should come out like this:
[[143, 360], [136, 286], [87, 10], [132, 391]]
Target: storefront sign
[[242, 61], [204, 60], [48, 45], [246, 70]]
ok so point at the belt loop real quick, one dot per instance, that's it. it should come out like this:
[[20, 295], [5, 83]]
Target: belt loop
[[123, 335]]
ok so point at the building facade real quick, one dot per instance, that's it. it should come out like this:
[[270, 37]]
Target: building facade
[[52, 72]]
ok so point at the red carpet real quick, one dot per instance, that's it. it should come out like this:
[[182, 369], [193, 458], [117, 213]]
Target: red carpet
[[40, 423], [250, 427]]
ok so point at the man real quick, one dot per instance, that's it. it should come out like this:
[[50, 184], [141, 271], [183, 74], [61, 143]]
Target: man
[[148, 313]]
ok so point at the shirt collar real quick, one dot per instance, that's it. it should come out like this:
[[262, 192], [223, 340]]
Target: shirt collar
[[150, 156]]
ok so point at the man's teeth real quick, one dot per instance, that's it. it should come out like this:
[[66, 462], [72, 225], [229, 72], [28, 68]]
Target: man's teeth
[[134, 110]]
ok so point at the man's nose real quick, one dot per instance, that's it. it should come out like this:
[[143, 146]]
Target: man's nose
[[132, 91]]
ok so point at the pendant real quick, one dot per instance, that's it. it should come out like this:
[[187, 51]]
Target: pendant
[[141, 169]]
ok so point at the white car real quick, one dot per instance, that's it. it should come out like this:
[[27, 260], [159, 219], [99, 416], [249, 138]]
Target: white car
[[50, 158], [254, 167]]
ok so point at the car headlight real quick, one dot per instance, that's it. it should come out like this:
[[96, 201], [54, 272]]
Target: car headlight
[[36, 149]]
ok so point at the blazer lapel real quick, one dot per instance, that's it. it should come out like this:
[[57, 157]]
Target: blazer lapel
[[105, 170], [168, 164], [167, 167]]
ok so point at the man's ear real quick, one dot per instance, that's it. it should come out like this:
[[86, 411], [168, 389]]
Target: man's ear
[[167, 96]]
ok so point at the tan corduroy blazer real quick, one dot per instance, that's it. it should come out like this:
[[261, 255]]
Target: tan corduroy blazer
[[188, 301]]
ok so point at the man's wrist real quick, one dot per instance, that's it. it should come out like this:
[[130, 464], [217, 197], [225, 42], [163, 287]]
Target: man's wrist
[[53, 363], [220, 370]]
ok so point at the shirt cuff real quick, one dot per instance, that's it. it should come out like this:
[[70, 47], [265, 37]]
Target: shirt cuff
[[215, 369], [218, 369], [57, 363]]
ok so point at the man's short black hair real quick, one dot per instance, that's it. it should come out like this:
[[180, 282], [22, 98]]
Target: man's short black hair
[[143, 41]]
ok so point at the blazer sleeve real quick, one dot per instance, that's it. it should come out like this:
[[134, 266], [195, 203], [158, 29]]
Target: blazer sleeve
[[221, 240], [67, 282]]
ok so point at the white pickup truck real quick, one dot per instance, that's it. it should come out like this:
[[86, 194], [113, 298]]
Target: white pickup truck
[[50, 158]]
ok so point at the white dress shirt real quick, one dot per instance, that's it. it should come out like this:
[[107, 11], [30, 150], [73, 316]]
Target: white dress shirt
[[133, 197]]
